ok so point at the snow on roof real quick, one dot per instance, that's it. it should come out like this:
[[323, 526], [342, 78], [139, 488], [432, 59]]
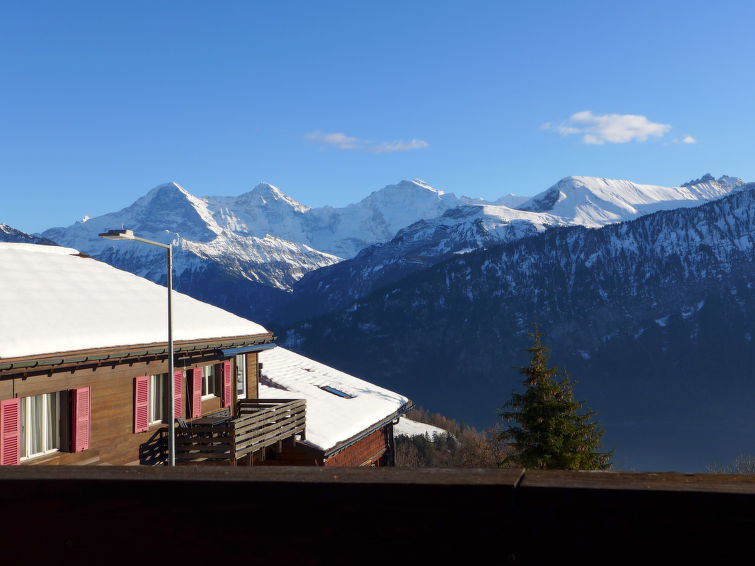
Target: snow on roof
[[408, 427], [331, 418], [52, 301]]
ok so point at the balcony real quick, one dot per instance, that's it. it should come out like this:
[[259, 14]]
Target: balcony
[[220, 439]]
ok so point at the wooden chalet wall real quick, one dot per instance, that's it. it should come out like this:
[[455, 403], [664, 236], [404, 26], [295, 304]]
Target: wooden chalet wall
[[367, 451], [112, 439], [252, 376]]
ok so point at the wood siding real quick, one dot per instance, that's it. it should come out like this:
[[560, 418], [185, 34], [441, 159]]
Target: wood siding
[[252, 376], [112, 440], [368, 451]]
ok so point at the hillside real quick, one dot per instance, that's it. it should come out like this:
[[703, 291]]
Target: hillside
[[652, 316]]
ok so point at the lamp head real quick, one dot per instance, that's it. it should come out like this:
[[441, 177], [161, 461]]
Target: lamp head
[[118, 235]]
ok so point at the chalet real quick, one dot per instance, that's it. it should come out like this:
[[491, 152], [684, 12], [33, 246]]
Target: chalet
[[349, 421], [84, 362]]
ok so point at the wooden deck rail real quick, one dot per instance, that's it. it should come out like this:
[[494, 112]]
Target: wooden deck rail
[[260, 423], [278, 515]]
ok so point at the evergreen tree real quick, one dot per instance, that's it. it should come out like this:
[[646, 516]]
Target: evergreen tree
[[545, 426]]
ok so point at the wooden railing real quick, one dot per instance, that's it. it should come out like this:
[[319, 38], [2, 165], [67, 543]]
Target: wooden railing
[[260, 423], [284, 515]]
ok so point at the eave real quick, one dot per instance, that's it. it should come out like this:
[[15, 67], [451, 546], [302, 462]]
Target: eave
[[343, 445], [121, 354]]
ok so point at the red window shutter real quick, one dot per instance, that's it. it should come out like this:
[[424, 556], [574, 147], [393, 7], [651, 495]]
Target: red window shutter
[[178, 393], [227, 391], [81, 419], [196, 393], [141, 403], [10, 432]]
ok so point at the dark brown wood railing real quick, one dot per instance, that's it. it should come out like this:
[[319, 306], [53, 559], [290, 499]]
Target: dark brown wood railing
[[260, 423], [331, 516], [264, 422]]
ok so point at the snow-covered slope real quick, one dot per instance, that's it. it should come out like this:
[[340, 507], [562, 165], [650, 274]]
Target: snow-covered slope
[[594, 202], [237, 271], [574, 201], [262, 237], [337, 231], [169, 213], [654, 316], [268, 239], [10, 234]]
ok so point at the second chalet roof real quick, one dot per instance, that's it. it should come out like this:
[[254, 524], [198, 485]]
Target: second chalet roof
[[339, 406], [53, 300]]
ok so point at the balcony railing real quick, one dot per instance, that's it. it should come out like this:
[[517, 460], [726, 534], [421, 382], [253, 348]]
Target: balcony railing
[[260, 423]]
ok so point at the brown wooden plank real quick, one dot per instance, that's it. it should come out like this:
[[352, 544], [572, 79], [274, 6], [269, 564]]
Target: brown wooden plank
[[643, 481]]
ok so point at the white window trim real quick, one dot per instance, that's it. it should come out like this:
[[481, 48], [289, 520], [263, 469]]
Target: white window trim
[[150, 406], [27, 427], [204, 377], [240, 395]]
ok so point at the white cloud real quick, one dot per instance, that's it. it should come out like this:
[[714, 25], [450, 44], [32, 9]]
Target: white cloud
[[337, 139], [597, 129], [342, 141], [685, 139], [401, 145]]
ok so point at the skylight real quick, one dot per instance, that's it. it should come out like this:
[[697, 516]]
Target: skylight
[[335, 391]]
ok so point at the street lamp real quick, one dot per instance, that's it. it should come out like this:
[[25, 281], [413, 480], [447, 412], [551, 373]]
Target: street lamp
[[129, 235]]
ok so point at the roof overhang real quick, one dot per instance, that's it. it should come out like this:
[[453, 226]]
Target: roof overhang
[[122, 354], [230, 352], [343, 445]]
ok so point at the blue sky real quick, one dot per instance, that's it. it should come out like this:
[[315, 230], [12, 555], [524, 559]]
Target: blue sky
[[331, 100]]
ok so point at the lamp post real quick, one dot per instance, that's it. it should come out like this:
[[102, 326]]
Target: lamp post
[[129, 235]]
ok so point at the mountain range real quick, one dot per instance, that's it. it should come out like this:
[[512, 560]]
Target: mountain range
[[245, 253], [653, 316], [640, 289], [573, 201]]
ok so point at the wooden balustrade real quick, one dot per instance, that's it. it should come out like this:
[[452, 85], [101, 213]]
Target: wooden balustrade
[[261, 423]]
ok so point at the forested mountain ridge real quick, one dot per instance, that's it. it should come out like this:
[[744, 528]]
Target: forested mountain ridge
[[573, 201], [654, 316]]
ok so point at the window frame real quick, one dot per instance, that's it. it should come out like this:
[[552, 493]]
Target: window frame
[[26, 420], [156, 384], [210, 374], [241, 376]]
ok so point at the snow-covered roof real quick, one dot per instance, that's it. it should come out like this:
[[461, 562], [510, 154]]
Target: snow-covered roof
[[331, 418], [53, 300]]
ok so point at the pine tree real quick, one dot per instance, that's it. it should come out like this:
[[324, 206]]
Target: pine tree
[[545, 426]]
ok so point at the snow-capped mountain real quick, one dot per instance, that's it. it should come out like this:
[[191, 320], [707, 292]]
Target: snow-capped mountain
[[169, 213], [207, 255], [511, 200], [573, 201], [653, 316], [594, 202], [337, 231], [263, 237], [10, 234], [266, 238], [459, 230]]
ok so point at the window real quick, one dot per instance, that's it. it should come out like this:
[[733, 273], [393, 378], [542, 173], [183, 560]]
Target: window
[[336, 392], [209, 381], [157, 398], [40, 425], [241, 376]]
